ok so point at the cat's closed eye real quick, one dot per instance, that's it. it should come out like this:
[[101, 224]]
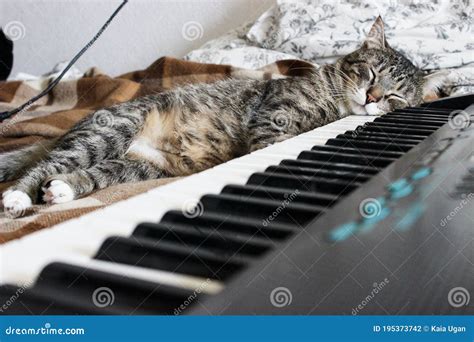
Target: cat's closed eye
[[364, 72]]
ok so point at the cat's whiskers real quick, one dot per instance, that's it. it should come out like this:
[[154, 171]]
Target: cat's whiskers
[[335, 89], [342, 74]]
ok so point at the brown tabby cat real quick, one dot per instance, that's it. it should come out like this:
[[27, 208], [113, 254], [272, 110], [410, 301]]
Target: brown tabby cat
[[193, 128]]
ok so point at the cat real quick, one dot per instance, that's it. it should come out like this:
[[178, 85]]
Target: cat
[[193, 128]]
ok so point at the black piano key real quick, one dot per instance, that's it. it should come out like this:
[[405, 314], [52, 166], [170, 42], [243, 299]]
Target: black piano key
[[419, 125], [30, 301], [411, 122], [417, 117], [367, 144], [421, 116], [333, 174], [381, 128], [262, 209], [204, 237], [277, 194], [170, 257], [125, 295], [386, 135], [345, 158], [402, 129], [424, 110], [358, 151], [408, 114], [325, 165], [235, 226], [378, 139], [312, 184]]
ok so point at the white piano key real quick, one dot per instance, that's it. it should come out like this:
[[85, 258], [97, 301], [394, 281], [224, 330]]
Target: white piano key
[[22, 259], [140, 273]]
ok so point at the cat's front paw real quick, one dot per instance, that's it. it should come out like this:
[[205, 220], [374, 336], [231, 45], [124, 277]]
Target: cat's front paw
[[58, 191], [15, 203], [373, 109]]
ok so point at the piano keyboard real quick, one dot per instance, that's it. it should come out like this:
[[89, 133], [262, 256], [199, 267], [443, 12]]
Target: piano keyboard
[[155, 250]]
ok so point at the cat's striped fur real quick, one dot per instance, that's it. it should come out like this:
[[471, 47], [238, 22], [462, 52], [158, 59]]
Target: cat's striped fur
[[193, 128]]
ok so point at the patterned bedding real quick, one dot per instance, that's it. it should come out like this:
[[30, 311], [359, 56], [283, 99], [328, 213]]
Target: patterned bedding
[[433, 34]]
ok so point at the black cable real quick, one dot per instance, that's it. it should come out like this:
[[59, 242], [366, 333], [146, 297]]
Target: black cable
[[6, 115]]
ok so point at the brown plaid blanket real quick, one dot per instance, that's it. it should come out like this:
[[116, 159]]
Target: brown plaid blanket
[[70, 101]]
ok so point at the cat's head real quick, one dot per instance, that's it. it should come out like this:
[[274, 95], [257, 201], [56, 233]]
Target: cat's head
[[378, 79]]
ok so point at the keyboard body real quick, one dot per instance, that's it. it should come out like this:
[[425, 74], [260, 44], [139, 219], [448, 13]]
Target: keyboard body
[[417, 249]]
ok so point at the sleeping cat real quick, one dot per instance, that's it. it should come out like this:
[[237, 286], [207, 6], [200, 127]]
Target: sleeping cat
[[193, 128]]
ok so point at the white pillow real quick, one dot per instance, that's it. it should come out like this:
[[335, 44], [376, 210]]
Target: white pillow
[[432, 35]]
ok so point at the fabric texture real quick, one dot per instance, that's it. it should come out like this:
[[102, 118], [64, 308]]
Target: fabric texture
[[72, 100], [434, 35]]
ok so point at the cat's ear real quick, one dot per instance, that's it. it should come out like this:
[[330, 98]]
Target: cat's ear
[[431, 84], [376, 36]]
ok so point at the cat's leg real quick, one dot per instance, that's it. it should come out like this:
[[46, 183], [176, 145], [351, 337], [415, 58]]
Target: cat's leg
[[105, 134], [67, 156], [14, 164], [24, 193], [66, 187]]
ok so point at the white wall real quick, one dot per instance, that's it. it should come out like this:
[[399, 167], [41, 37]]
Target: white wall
[[55, 30]]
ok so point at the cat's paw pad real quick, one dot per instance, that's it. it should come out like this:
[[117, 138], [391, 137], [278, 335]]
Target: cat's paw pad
[[58, 191], [15, 203]]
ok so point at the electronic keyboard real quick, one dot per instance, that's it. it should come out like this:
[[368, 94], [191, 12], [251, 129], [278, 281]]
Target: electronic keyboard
[[366, 215]]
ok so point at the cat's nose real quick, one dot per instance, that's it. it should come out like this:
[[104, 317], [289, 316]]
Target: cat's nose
[[373, 95], [370, 98]]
